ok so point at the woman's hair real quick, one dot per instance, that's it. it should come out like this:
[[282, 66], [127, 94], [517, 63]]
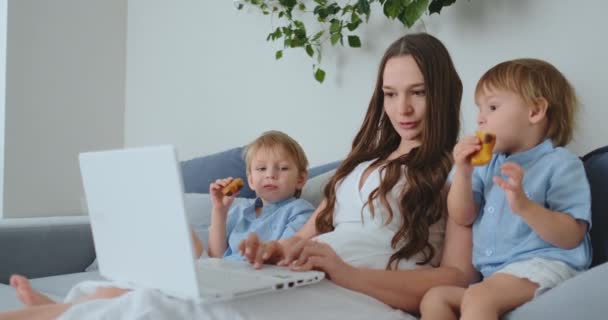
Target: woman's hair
[[535, 79], [277, 141], [422, 201]]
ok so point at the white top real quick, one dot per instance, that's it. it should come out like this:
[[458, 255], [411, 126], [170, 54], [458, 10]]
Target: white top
[[364, 240]]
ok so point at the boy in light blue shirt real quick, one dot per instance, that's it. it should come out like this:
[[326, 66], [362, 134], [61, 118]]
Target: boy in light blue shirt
[[277, 171], [530, 206]]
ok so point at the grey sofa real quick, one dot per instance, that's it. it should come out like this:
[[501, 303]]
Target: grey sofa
[[56, 252]]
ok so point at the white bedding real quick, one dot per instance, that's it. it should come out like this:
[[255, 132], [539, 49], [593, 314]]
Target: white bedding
[[324, 300]]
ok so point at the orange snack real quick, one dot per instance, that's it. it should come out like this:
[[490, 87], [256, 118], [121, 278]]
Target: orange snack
[[233, 187], [484, 155]]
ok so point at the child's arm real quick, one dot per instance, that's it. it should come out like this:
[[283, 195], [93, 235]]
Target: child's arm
[[219, 213], [217, 233], [462, 208], [198, 244], [558, 228]]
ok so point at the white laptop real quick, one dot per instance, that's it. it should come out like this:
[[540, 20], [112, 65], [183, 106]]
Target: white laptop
[[135, 199]]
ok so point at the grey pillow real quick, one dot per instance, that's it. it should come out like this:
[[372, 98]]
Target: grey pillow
[[199, 172], [313, 189]]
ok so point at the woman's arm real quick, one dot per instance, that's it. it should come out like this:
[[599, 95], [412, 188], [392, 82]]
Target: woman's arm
[[404, 289]]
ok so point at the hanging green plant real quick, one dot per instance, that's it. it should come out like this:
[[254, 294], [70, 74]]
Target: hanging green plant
[[337, 22]]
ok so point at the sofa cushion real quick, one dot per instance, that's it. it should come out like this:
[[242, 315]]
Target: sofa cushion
[[8, 299], [596, 165], [199, 172], [313, 189], [581, 297]]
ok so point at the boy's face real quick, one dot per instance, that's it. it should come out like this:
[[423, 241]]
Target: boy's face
[[273, 175], [507, 115]]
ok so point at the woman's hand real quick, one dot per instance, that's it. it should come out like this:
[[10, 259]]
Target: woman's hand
[[218, 199], [258, 252], [314, 255], [463, 151]]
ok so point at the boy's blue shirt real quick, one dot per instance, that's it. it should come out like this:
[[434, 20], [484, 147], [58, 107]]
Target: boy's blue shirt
[[278, 220], [554, 178]]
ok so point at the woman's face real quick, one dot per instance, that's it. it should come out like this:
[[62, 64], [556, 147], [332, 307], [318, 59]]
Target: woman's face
[[404, 97]]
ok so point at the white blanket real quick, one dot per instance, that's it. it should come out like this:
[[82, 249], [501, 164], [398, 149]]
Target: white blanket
[[324, 300]]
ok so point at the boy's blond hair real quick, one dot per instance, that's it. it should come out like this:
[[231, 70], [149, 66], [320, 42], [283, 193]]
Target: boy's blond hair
[[279, 141], [534, 79]]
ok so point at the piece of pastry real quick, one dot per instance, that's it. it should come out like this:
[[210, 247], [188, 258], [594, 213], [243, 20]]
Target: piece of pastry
[[484, 155], [233, 187]]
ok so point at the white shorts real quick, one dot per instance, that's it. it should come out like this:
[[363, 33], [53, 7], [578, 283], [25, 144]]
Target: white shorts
[[544, 272]]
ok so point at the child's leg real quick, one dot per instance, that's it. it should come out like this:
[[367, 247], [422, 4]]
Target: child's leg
[[495, 296], [26, 293], [442, 303], [40, 312], [104, 293], [54, 310]]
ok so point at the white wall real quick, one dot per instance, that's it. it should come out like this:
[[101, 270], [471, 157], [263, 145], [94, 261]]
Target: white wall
[[65, 94], [3, 10], [196, 70]]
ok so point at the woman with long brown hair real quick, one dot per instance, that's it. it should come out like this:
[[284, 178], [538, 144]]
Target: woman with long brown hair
[[379, 230], [379, 233]]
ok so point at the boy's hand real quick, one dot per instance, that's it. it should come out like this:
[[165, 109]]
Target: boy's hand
[[463, 151], [218, 199], [514, 191]]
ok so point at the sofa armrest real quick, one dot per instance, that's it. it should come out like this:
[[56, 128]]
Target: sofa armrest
[[581, 297], [41, 247]]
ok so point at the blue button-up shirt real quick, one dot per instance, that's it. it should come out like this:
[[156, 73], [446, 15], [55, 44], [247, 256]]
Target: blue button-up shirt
[[553, 177], [278, 220]]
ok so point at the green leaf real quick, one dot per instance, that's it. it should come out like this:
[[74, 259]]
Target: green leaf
[[437, 5], [278, 55], [317, 36], [363, 7], [288, 3], [333, 8], [320, 75], [321, 12], [309, 50], [392, 8], [335, 26], [354, 42], [335, 38], [354, 22], [413, 12], [302, 6]]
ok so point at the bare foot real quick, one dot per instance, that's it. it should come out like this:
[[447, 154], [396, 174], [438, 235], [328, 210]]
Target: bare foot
[[26, 293]]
